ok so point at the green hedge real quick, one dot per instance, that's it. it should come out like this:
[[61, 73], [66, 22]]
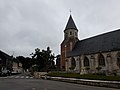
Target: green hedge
[[86, 76]]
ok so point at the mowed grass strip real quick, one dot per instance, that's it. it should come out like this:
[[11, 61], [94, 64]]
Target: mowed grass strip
[[86, 76]]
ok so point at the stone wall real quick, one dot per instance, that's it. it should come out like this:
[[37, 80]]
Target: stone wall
[[39, 74], [109, 68]]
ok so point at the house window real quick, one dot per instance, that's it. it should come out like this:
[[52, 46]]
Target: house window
[[86, 62], [101, 60], [73, 63], [118, 60]]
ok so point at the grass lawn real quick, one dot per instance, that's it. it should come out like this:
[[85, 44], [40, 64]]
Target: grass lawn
[[86, 76]]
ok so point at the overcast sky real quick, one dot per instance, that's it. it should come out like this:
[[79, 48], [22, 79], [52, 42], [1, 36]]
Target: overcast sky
[[29, 24]]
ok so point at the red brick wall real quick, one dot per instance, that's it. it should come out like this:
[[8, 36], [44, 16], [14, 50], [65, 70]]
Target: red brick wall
[[65, 50]]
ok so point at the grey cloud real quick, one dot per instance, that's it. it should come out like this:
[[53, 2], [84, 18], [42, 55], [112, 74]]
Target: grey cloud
[[28, 24]]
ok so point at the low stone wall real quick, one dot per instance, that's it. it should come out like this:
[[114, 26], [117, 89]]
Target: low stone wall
[[111, 84], [39, 74]]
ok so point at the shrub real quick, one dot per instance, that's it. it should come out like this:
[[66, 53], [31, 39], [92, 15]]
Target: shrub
[[86, 76]]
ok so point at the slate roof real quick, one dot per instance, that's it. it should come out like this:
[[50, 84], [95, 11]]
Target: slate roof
[[102, 43], [70, 24], [2, 54]]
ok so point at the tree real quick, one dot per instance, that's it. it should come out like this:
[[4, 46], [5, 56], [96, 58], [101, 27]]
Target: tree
[[43, 60], [26, 62]]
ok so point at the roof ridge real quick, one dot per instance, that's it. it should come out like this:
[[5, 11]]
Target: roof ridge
[[100, 34]]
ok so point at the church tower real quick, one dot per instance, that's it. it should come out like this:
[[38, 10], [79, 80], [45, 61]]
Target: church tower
[[70, 38]]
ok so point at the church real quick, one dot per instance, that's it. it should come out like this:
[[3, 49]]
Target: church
[[98, 54]]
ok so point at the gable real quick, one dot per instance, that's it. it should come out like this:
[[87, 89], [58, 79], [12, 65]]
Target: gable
[[4, 55]]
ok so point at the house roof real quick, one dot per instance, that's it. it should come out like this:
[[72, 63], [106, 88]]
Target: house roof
[[102, 43], [70, 24], [2, 54]]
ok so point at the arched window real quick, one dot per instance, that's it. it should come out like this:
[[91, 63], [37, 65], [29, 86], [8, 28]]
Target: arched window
[[118, 60], [101, 60], [73, 63], [86, 62]]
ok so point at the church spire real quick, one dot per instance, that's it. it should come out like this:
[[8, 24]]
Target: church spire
[[70, 39], [70, 24]]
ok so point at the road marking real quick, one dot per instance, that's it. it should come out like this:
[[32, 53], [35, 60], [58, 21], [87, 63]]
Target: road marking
[[3, 77], [27, 76], [17, 76], [12, 76], [45, 88], [33, 88], [22, 76], [31, 77]]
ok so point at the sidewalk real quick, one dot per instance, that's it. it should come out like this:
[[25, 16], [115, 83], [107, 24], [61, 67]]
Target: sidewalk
[[110, 84]]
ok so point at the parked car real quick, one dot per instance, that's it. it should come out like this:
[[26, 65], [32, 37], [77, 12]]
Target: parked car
[[6, 73]]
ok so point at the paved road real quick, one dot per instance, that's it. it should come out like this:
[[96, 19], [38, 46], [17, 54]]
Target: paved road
[[39, 84]]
